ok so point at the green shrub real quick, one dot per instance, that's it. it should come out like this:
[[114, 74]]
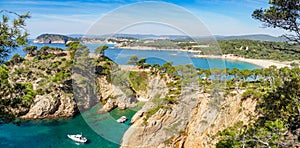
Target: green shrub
[[48, 56], [3, 74], [28, 91], [60, 76], [138, 80]]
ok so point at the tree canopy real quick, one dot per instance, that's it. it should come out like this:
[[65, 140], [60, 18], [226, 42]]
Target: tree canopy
[[100, 50], [12, 32], [283, 14], [133, 60]]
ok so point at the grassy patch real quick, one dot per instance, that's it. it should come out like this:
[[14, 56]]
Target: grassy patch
[[138, 80]]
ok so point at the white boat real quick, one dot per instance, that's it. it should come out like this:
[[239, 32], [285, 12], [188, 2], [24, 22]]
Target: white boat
[[122, 119], [78, 138]]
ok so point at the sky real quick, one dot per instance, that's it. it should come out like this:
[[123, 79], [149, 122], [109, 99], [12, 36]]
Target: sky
[[219, 17]]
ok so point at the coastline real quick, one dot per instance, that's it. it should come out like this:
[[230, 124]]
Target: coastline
[[154, 48], [259, 62]]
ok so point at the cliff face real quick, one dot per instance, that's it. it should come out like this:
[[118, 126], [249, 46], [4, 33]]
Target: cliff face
[[52, 39], [204, 125], [44, 85], [113, 95], [191, 123], [47, 106], [41, 85]]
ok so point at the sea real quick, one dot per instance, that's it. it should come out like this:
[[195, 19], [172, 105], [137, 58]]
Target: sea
[[101, 130]]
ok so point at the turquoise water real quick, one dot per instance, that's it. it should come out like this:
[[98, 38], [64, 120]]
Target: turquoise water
[[102, 131], [121, 56]]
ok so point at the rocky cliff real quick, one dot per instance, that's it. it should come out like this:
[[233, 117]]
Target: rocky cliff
[[47, 83], [191, 123], [41, 85], [115, 94], [178, 111], [208, 121], [53, 39]]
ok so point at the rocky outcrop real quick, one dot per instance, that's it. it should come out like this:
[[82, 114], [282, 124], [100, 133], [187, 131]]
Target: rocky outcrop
[[165, 124], [48, 106], [52, 39], [190, 123], [109, 105], [114, 96], [206, 122], [40, 86]]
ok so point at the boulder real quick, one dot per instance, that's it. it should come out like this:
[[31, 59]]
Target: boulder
[[110, 105]]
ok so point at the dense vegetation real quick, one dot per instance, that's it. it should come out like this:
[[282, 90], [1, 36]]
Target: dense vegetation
[[243, 48], [46, 72], [283, 14], [160, 44], [12, 32], [249, 49], [261, 49], [43, 72], [277, 123], [12, 35]]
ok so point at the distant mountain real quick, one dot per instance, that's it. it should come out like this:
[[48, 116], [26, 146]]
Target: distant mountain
[[151, 36], [261, 37], [135, 36]]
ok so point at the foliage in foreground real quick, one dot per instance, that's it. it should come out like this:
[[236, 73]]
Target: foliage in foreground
[[283, 14], [278, 124], [12, 32]]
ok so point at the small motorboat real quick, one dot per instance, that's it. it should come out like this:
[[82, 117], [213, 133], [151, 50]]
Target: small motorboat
[[78, 138], [122, 119]]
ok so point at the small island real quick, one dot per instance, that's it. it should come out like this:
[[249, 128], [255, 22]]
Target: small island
[[53, 39]]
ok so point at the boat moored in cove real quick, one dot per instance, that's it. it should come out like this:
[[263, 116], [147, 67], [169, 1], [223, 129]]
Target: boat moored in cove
[[78, 138], [122, 119]]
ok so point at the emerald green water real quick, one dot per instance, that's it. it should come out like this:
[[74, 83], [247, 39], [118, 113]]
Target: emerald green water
[[102, 131]]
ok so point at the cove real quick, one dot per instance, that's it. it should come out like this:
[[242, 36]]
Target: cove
[[102, 131]]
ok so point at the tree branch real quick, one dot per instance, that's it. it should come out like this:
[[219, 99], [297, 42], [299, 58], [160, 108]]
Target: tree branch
[[19, 15], [260, 141]]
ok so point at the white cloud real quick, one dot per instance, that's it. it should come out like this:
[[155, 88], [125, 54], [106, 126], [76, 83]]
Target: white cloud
[[79, 19], [65, 24], [220, 24], [67, 18]]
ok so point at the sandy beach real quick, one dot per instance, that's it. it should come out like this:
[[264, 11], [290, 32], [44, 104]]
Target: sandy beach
[[259, 62], [153, 48]]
